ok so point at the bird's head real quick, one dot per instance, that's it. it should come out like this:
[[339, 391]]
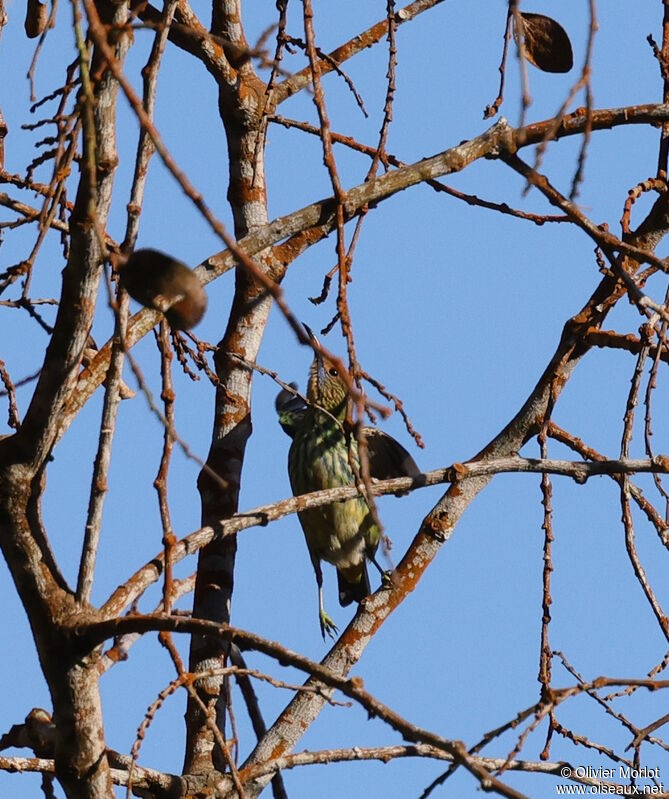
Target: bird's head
[[326, 388]]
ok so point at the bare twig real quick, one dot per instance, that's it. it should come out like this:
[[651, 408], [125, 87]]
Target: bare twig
[[103, 457]]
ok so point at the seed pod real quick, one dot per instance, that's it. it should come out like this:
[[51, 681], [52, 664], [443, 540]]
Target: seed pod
[[37, 16], [547, 45], [161, 282]]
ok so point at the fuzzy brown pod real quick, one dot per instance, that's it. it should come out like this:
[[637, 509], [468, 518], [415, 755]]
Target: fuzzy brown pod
[[37, 17], [161, 282], [547, 45]]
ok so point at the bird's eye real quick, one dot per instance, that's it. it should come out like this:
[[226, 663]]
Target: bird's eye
[[333, 371]]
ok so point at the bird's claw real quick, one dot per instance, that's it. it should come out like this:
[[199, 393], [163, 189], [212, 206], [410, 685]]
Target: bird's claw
[[327, 625], [387, 579]]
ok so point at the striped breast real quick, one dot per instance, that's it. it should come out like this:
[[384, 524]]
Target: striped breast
[[318, 459]]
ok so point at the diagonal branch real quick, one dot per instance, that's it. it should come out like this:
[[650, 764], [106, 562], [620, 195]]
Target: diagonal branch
[[318, 219], [367, 38]]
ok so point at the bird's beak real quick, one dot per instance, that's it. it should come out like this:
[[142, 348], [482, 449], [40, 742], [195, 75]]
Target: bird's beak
[[318, 358], [310, 334]]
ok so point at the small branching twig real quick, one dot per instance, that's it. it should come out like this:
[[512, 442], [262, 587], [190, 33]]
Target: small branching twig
[[102, 461], [14, 419], [591, 690], [630, 543], [332, 63], [160, 483], [585, 81], [399, 407], [630, 689], [660, 351], [545, 659], [577, 445], [496, 104], [652, 184]]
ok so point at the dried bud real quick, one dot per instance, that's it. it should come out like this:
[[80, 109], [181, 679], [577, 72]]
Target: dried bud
[[37, 16], [547, 45], [159, 281]]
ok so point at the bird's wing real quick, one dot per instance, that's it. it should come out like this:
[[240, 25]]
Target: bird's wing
[[387, 457], [291, 410]]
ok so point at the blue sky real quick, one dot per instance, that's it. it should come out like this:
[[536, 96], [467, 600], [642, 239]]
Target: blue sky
[[457, 310]]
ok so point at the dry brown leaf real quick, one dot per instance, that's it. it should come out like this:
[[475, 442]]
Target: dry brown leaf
[[547, 45], [37, 16]]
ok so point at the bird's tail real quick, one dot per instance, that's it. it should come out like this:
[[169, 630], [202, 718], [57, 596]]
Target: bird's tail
[[354, 585]]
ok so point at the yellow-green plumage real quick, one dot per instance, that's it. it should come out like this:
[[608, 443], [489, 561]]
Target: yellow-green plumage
[[342, 533]]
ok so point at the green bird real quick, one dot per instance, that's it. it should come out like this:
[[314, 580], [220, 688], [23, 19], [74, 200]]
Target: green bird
[[343, 533]]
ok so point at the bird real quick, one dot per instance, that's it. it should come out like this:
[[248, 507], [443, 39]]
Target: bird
[[159, 281], [344, 534]]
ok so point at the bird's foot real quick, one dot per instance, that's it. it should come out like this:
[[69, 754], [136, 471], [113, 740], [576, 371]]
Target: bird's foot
[[387, 579], [327, 625]]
